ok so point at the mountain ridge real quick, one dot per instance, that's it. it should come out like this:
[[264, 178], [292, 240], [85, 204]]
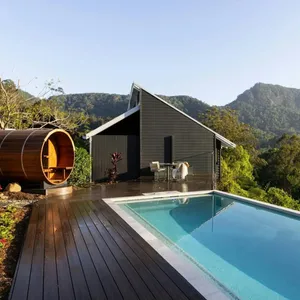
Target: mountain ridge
[[268, 107], [111, 105], [271, 108]]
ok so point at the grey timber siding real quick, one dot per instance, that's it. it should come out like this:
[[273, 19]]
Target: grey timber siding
[[104, 145], [190, 141]]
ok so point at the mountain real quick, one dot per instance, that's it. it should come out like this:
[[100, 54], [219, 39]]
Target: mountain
[[26, 95], [271, 108], [97, 104], [189, 105], [111, 105]]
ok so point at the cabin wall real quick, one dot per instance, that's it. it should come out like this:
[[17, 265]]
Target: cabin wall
[[102, 148], [190, 142]]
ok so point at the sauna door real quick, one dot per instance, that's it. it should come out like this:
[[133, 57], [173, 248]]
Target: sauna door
[[52, 154], [49, 155], [45, 156]]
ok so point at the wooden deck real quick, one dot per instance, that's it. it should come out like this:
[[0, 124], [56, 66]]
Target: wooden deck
[[77, 247]]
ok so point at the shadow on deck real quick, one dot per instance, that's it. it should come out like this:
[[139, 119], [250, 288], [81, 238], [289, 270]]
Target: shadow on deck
[[77, 247]]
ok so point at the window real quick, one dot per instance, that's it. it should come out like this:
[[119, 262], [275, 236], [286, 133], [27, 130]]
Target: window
[[135, 99]]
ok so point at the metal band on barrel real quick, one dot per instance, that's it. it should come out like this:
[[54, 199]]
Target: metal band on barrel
[[22, 164]]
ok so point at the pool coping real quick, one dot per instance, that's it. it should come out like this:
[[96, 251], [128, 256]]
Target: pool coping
[[194, 275]]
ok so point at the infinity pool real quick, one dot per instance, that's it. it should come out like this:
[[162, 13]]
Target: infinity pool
[[252, 251]]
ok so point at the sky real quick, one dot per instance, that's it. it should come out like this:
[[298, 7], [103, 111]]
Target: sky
[[211, 50]]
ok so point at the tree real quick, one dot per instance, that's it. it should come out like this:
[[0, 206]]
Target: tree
[[237, 171], [51, 113], [237, 178], [276, 168], [279, 197], [13, 105], [237, 165], [225, 122], [19, 110], [283, 165]]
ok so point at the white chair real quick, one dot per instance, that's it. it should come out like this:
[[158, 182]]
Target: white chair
[[175, 171], [181, 170], [157, 170]]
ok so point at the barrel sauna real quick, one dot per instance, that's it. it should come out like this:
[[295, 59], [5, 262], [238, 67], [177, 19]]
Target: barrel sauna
[[36, 155]]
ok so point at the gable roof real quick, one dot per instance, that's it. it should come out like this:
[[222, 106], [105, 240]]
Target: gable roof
[[112, 122], [223, 140]]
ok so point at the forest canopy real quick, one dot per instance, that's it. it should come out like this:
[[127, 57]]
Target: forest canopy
[[273, 176]]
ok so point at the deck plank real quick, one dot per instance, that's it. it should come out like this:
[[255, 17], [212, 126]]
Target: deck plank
[[177, 278], [36, 283], [138, 284], [80, 287], [106, 265], [143, 270], [50, 271], [79, 231], [65, 286], [19, 289]]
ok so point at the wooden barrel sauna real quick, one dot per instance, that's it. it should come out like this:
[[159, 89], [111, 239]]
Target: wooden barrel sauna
[[36, 155]]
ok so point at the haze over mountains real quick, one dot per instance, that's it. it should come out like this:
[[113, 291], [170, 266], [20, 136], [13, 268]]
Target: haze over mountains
[[271, 108]]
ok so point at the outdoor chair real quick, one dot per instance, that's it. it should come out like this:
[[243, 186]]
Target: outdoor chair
[[175, 171], [181, 170], [159, 173]]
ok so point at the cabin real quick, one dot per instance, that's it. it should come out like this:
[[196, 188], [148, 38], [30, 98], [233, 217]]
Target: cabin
[[154, 130]]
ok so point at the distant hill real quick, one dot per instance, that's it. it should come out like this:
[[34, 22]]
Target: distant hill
[[189, 105], [271, 108], [111, 105], [97, 104], [26, 95]]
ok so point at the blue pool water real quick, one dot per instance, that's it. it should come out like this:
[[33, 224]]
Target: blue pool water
[[252, 251]]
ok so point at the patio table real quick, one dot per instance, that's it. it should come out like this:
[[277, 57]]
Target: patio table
[[168, 166]]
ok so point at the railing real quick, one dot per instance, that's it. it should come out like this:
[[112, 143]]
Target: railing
[[204, 166], [202, 169]]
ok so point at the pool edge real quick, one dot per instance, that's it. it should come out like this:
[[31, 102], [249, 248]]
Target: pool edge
[[195, 276], [269, 206]]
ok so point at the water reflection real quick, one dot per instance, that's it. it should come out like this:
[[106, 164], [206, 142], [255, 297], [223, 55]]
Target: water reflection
[[191, 213]]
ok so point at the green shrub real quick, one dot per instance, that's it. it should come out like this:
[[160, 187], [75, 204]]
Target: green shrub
[[257, 193], [7, 223], [237, 178], [280, 197], [80, 175], [237, 172]]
